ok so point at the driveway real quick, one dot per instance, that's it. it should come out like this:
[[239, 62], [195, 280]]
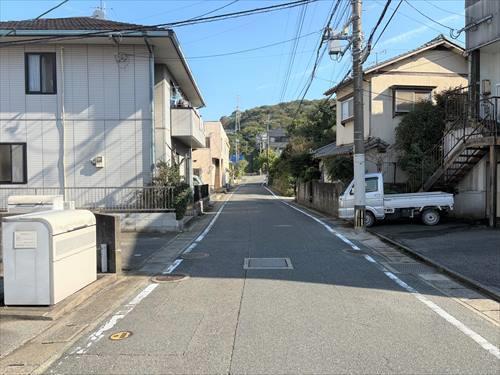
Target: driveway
[[470, 250]]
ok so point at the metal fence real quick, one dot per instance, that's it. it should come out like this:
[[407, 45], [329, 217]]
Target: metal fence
[[118, 199]]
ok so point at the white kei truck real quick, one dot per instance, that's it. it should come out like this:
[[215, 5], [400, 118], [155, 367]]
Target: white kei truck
[[429, 206]]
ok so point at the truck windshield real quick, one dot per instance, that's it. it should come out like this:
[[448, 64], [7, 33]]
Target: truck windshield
[[371, 185]]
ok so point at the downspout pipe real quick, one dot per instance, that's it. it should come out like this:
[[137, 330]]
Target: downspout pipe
[[63, 130], [152, 102]]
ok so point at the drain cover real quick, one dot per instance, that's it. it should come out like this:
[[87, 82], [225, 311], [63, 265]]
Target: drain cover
[[268, 264], [120, 335], [169, 278], [189, 256]]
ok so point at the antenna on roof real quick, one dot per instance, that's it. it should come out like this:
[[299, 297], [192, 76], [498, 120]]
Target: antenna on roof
[[100, 11]]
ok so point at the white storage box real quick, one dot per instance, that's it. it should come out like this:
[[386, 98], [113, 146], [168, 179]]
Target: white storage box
[[23, 204], [48, 255]]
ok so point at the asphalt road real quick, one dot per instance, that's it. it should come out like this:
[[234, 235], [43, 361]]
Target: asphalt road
[[336, 311]]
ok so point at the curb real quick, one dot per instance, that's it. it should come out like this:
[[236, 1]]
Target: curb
[[456, 275], [55, 311]]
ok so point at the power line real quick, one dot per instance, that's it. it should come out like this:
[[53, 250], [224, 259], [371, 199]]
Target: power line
[[51, 9], [215, 10], [181, 23], [374, 30], [430, 18], [443, 9], [319, 56], [300, 23], [387, 23]]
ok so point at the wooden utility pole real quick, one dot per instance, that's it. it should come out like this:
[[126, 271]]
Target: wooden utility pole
[[359, 142]]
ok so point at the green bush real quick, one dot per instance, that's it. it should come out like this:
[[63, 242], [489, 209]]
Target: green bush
[[183, 195], [340, 168]]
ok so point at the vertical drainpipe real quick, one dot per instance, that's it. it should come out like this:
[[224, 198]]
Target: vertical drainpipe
[[63, 132], [152, 101]]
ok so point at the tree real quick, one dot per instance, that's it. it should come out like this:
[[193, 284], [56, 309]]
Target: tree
[[419, 131], [340, 168]]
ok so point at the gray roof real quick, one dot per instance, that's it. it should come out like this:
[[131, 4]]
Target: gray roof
[[332, 149], [437, 41], [278, 132], [72, 23]]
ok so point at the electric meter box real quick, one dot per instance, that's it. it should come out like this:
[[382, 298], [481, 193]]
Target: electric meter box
[[24, 204], [48, 255]]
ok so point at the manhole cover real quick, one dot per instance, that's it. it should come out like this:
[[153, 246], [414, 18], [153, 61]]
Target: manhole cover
[[120, 335], [169, 278], [414, 268], [268, 264], [355, 252], [189, 256]]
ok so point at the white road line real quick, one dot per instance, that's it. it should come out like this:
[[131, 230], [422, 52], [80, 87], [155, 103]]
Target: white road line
[[327, 227], [111, 322], [171, 268], [211, 224], [485, 344]]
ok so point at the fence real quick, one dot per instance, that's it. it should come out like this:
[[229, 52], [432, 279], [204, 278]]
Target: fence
[[118, 199], [321, 196]]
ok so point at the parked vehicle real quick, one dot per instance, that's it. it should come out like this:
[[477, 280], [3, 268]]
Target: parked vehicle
[[429, 206], [197, 180]]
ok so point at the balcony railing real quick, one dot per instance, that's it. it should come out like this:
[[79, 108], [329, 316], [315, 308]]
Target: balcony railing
[[116, 199], [188, 126]]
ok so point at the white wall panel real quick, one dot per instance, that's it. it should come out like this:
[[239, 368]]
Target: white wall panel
[[142, 79], [89, 142], [111, 84], [34, 145], [97, 100], [51, 151], [126, 73]]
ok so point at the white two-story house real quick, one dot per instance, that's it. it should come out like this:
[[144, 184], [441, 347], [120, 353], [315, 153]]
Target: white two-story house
[[92, 103], [390, 90]]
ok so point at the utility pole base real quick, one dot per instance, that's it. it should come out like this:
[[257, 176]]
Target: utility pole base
[[359, 218]]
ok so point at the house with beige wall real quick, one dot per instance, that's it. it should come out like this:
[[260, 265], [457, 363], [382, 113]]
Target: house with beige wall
[[390, 90], [211, 163]]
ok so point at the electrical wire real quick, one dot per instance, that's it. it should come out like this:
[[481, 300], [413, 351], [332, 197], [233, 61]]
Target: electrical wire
[[215, 10], [51, 9], [374, 30], [181, 23], [319, 55], [288, 72], [387, 23], [429, 18]]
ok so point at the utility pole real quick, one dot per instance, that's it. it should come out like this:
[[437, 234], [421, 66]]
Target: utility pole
[[359, 141], [267, 149], [358, 57], [237, 115]]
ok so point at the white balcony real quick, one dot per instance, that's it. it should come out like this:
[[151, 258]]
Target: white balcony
[[187, 126]]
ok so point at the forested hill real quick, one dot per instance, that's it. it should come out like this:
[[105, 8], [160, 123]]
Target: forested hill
[[281, 115]]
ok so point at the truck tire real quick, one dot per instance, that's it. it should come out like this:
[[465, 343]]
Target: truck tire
[[369, 219], [430, 216]]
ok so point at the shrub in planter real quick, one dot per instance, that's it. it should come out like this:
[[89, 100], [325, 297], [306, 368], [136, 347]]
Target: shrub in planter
[[183, 195]]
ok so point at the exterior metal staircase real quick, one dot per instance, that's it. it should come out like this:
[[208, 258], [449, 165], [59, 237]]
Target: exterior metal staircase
[[471, 128]]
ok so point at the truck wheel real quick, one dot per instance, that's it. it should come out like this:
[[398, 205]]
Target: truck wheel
[[430, 217], [369, 219]]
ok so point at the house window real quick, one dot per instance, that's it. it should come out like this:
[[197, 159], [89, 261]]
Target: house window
[[207, 142], [404, 99], [40, 71], [347, 109], [13, 163]]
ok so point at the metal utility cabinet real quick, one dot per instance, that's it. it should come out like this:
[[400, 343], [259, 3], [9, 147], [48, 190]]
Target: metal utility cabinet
[[48, 255]]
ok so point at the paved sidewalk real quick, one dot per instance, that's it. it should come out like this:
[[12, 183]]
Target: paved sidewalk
[[470, 251]]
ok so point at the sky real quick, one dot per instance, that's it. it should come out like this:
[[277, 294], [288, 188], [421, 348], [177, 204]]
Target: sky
[[259, 77]]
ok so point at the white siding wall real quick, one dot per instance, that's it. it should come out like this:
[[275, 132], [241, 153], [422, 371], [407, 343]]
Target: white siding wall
[[107, 112]]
